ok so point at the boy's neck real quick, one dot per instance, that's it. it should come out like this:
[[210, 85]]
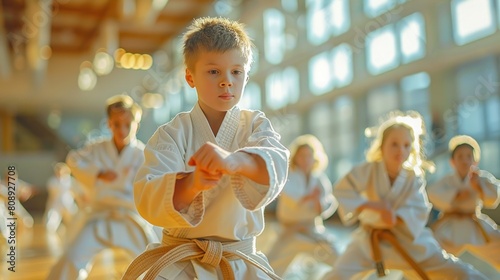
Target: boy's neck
[[214, 118], [120, 145]]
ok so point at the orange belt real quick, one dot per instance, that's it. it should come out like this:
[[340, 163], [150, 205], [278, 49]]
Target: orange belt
[[473, 216], [376, 235], [209, 252]]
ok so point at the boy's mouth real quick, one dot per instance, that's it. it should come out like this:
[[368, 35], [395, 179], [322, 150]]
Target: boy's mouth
[[226, 96]]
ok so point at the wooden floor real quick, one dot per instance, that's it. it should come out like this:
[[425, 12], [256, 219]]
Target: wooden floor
[[38, 250]]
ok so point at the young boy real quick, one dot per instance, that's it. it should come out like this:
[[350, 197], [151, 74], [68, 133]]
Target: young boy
[[107, 169], [461, 196], [209, 173]]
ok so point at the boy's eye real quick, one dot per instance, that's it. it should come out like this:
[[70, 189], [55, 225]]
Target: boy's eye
[[237, 72], [213, 71]]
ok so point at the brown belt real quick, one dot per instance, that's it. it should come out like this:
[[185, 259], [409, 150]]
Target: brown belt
[[473, 216], [376, 235]]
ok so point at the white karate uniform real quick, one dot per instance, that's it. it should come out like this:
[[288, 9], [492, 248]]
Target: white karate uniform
[[61, 202], [455, 230], [24, 218], [111, 219], [302, 226], [232, 211], [407, 196]]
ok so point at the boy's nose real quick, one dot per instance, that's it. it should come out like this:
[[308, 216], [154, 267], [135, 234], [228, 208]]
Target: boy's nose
[[225, 84]]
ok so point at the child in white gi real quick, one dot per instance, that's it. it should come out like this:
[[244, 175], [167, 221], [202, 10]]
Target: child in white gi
[[460, 196], [387, 196], [209, 173], [306, 200], [107, 169], [61, 206]]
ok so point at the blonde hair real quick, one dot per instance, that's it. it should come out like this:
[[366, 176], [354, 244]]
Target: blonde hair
[[319, 155], [126, 103], [414, 123], [215, 34]]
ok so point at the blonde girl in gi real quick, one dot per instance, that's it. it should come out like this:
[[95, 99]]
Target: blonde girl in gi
[[387, 196], [306, 200]]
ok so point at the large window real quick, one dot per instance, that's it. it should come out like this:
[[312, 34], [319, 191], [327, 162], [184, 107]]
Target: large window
[[412, 37], [289, 5], [328, 70], [472, 20], [391, 45], [415, 95], [251, 98], [326, 18], [342, 65], [282, 88], [382, 52], [320, 73], [274, 39], [339, 16], [317, 22], [375, 8], [478, 102], [381, 101]]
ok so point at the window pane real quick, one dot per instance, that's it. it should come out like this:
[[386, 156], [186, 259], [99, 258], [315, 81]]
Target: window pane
[[380, 102], [381, 50], [317, 24], [282, 88], [342, 65], [343, 125], [291, 83], [274, 38], [374, 8], [340, 19], [320, 78], [289, 5], [491, 158], [415, 95], [493, 116], [412, 38], [251, 98], [472, 19], [276, 95], [471, 122]]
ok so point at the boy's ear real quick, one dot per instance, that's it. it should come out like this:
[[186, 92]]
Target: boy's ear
[[189, 78], [452, 163]]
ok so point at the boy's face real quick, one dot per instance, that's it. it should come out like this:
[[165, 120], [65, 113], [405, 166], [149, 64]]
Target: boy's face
[[396, 147], [219, 79], [122, 126], [463, 159]]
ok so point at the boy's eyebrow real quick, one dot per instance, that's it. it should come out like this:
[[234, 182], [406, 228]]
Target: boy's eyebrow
[[216, 64]]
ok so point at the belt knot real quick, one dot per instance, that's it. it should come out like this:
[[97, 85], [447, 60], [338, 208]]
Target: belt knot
[[213, 251]]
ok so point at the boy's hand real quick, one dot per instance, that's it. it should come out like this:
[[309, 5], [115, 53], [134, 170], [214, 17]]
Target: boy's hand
[[107, 176], [214, 160]]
